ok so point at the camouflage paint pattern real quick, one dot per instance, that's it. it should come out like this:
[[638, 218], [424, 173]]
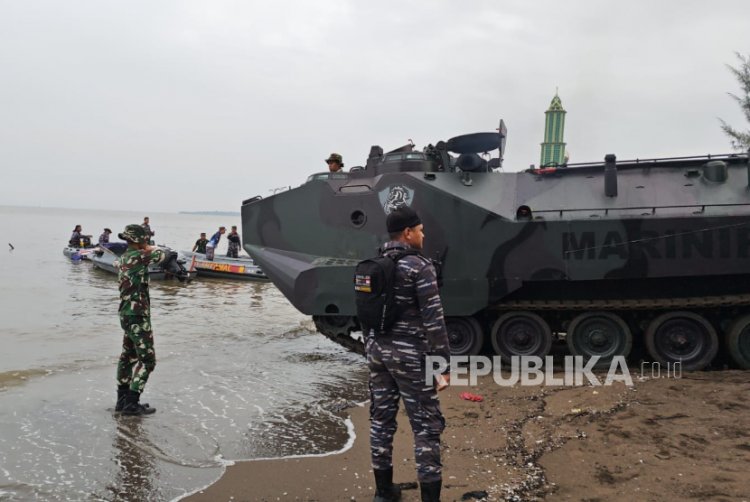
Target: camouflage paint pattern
[[137, 359], [397, 372], [664, 223], [132, 272], [421, 316], [637, 238]]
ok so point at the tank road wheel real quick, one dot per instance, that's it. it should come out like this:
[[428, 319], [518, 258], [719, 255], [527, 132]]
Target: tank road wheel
[[521, 334], [465, 336], [738, 341], [682, 337], [599, 334]]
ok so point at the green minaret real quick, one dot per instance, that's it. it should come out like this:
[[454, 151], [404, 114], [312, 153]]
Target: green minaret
[[553, 148]]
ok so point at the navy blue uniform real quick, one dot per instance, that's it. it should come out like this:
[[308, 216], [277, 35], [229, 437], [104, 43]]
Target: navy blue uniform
[[233, 248], [397, 368]]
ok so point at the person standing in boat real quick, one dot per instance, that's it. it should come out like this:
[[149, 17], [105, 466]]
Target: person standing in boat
[[77, 239], [233, 248], [200, 244], [104, 238], [137, 359], [213, 243], [147, 227]]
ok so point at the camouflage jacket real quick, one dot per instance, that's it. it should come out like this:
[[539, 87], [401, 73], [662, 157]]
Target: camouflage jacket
[[200, 246], [418, 295], [132, 268]]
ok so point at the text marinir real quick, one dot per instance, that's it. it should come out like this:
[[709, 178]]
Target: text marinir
[[672, 244]]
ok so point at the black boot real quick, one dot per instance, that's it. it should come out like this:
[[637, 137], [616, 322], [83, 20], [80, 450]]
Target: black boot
[[385, 490], [122, 391], [431, 491], [133, 407]]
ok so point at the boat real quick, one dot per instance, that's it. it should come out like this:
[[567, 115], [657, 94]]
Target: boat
[[104, 257], [79, 253], [242, 268], [82, 251]]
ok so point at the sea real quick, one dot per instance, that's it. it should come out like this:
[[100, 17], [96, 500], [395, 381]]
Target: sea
[[240, 374]]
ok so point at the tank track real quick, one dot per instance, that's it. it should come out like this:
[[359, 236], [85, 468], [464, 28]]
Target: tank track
[[627, 304], [338, 329]]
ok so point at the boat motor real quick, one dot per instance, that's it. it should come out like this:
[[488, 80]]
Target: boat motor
[[172, 265]]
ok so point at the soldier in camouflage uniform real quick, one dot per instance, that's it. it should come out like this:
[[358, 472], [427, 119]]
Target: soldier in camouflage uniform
[[138, 358], [396, 361], [335, 163], [233, 248], [200, 244], [147, 227]]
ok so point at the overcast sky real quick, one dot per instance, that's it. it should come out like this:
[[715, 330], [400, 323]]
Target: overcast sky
[[188, 105]]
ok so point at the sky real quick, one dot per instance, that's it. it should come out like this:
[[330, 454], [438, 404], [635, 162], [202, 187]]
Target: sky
[[196, 105]]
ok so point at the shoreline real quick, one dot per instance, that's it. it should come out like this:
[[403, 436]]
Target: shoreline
[[351, 437], [530, 443]]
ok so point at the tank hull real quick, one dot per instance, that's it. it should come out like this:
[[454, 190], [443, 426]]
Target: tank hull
[[655, 250], [647, 242]]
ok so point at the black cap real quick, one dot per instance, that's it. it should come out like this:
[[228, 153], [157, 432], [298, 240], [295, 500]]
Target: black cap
[[401, 218]]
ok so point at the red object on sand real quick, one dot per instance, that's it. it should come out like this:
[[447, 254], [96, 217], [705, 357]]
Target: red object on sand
[[468, 396]]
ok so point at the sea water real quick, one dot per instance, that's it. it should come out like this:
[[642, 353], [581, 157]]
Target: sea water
[[240, 373]]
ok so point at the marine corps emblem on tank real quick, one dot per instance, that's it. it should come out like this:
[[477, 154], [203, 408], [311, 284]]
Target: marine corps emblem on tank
[[395, 196]]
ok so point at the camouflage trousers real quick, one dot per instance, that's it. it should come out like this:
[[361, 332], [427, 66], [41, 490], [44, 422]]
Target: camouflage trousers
[[233, 250], [397, 371], [138, 359]]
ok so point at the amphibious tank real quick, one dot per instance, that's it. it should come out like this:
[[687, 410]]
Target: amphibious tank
[[600, 254]]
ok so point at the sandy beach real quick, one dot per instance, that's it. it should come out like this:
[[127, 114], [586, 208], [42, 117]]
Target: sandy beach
[[662, 439]]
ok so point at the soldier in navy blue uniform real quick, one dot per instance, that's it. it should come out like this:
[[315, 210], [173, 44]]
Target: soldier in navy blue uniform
[[396, 361]]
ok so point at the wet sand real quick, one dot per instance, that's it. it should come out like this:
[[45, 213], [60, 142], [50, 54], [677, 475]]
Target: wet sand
[[663, 439]]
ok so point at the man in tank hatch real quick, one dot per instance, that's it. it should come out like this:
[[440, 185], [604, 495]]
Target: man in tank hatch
[[137, 359], [396, 359], [335, 163]]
